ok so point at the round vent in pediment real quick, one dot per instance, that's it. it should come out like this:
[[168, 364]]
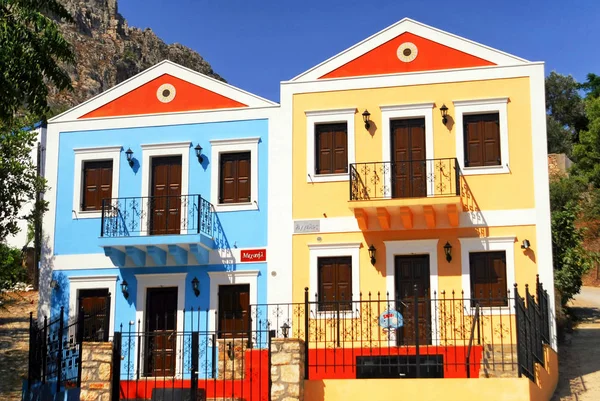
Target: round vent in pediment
[[407, 52], [165, 93]]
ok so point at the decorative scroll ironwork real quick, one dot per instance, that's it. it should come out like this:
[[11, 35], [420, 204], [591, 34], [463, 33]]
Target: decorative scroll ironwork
[[405, 179], [157, 215]]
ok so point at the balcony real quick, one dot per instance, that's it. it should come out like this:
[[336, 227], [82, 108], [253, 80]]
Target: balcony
[[405, 190], [157, 226]]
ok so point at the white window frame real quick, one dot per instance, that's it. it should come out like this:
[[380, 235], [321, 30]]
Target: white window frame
[[78, 283], [83, 155], [406, 111], [218, 278], [481, 106], [506, 244], [317, 251], [315, 117], [145, 281], [158, 150], [220, 146]]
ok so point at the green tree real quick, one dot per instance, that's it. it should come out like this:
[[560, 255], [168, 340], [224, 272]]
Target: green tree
[[591, 86], [18, 176], [587, 151], [11, 266], [31, 52]]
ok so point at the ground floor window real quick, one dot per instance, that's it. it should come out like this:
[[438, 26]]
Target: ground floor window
[[488, 278], [234, 306], [95, 306], [335, 283]]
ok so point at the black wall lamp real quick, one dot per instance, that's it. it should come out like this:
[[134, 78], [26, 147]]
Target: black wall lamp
[[372, 252], [198, 150], [285, 330], [444, 111], [367, 118], [448, 251], [195, 286], [125, 289], [54, 285], [129, 154], [525, 245]]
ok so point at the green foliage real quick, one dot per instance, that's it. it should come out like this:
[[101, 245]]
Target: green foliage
[[591, 86], [571, 261], [564, 191], [564, 103], [11, 266], [587, 151], [31, 54], [560, 138], [20, 182]]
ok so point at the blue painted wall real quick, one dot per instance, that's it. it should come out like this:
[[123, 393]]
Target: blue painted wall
[[243, 228]]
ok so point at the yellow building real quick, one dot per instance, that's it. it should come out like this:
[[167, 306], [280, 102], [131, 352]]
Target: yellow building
[[412, 180]]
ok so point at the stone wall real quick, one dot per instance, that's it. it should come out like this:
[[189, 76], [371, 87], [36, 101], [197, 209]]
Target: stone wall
[[96, 364], [287, 369], [233, 367]]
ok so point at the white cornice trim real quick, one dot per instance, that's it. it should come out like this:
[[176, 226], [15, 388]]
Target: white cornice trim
[[477, 102], [98, 149], [167, 145], [236, 273], [320, 113], [341, 245], [109, 277], [235, 141], [147, 277], [488, 240], [413, 106]]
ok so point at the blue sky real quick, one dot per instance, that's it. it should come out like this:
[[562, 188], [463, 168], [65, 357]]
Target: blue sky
[[256, 44]]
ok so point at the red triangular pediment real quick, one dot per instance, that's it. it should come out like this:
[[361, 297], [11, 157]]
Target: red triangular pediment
[[146, 99], [384, 59]]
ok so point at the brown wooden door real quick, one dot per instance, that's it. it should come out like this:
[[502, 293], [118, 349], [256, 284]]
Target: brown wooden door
[[95, 305], [234, 307], [161, 325], [413, 271], [409, 166], [165, 201]]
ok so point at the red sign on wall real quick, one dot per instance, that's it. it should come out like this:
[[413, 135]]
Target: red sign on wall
[[254, 255]]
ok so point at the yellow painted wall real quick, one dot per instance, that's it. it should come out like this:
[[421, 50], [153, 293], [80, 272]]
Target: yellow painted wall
[[546, 378], [373, 278], [418, 389], [491, 192]]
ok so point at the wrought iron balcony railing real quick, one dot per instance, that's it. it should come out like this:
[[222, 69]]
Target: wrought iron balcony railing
[[405, 179], [157, 215]]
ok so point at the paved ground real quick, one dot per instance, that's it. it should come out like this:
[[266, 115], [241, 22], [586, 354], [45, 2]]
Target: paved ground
[[14, 337], [579, 357]]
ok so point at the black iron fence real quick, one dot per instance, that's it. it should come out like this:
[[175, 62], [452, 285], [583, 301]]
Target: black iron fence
[[55, 346], [192, 363], [404, 179], [157, 215]]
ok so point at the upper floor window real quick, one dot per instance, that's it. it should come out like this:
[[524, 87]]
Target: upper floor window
[[482, 135], [96, 177], [97, 184], [488, 278], [335, 283], [482, 140], [331, 142], [235, 178]]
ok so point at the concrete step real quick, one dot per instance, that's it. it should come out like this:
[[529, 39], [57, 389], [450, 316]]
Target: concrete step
[[499, 361]]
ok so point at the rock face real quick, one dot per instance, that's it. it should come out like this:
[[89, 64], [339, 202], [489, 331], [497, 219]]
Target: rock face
[[109, 52]]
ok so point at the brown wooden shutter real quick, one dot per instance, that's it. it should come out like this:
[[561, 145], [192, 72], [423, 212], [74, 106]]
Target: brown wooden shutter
[[488, 278], [482, 140], [235, 178], [97, 184], [335, 283], [331, 148]]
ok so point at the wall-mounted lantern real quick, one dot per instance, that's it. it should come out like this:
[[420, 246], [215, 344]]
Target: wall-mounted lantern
[[285, 330], [54, 285], [195, 286], [372, 252], [129, 154], [448, 251], [125, 289], [525, 245], [367, 118], [444, 111], [198, 150]]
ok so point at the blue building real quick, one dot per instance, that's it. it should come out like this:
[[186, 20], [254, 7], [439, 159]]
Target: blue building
[[158, 205]]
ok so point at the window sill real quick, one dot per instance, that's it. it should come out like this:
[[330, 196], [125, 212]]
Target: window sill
[[92, 214], [504, 169], [327, 177], [235, 207]]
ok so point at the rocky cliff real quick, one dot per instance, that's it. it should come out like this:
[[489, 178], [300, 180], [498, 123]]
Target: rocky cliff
[[108, 51]]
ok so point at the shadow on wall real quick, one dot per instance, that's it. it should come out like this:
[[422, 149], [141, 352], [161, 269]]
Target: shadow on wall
[[471, 207], [222, 245], [46, 267]]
